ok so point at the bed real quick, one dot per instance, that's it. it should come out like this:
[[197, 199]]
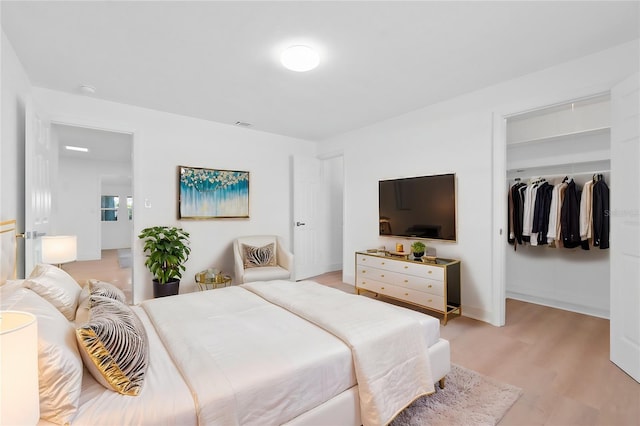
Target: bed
[[264, 353]]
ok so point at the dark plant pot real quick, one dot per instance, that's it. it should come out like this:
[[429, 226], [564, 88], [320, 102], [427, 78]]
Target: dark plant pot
[[170, 288], [418, 255]]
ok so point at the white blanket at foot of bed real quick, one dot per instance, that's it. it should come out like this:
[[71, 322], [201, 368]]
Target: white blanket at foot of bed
[[389, 352]]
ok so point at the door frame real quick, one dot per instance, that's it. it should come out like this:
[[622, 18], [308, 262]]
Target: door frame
[[108, 126], [499, 168]]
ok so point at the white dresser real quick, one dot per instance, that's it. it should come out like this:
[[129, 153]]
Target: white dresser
[[434, 286]]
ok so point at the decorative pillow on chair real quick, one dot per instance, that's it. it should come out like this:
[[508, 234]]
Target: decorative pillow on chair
[[114, 346], [255, 257], [57, 287]]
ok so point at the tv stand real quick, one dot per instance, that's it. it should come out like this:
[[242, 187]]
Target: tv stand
[[434, 286]]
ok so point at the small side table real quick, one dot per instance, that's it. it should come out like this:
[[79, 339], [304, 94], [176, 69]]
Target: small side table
[[218, 281]]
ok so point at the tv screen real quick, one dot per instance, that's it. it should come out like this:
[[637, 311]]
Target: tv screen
[[418, 207]]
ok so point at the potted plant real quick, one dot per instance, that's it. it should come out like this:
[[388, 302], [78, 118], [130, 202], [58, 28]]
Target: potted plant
[[417, 248], [167, 250]]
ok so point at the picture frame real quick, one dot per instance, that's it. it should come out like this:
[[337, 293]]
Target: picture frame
[[212, 193]]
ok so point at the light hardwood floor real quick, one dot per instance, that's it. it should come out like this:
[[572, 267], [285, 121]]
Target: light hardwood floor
[[560, 359]]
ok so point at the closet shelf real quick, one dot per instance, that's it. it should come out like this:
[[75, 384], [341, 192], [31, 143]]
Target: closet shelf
[[603, 157], [560, 137]]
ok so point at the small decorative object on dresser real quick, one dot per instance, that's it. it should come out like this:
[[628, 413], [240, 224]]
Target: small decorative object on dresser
[[167, 251], [433, 286], [418, 248]]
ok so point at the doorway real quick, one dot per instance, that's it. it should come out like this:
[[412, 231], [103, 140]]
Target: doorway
[[93, 199]]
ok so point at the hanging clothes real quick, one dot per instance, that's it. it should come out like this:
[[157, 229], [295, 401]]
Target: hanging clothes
[[570, 217], [554, 236], [601, 213], [541, 213], [586, 212], [515, 213]]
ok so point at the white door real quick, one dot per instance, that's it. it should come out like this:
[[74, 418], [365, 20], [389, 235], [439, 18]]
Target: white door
[[307, 181], [39, 155], [625, 226]]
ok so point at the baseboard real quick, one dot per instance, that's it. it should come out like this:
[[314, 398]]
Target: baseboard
[[558, 304]]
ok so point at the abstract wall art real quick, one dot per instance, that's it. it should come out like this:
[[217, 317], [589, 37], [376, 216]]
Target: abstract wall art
[[212, 193]]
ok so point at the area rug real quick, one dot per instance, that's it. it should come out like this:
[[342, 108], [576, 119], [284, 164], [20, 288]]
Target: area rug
[[468, 398]]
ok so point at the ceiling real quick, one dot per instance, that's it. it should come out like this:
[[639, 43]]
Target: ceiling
[[219, 60]]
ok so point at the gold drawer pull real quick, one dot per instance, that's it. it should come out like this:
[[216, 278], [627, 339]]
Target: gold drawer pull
[[429, 272], [381, 288], [364, 259], [406, 281], [430, 300], [381, 275], [364, 272], [429, 286], [406, 267], [382, 263], [406, 294]]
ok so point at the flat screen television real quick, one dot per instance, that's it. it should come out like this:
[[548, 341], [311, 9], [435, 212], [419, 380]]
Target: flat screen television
[[418, 207]]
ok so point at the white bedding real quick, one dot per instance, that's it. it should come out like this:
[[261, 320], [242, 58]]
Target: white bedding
[[165, 398], [275, 374], [391, 365], [243, 372]]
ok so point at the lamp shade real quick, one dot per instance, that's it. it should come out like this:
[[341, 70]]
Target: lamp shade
[[19, 368], [57, 249]]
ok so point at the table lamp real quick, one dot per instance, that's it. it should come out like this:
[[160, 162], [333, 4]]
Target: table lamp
[[19, 368], [59, 249]]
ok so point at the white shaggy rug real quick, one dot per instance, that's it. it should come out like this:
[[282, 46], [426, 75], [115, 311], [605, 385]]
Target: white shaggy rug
[[468, 398]]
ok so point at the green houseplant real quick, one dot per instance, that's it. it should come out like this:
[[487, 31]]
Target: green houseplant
[[418, 248], [167, 249]]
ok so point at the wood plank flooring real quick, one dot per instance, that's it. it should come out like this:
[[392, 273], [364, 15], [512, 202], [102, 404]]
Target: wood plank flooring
[[560, 359]]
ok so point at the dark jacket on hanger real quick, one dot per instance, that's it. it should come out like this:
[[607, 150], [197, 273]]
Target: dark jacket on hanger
[[570, 217], [601, 214], [541, 212]]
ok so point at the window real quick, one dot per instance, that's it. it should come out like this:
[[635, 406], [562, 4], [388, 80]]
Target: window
[[109, 208]]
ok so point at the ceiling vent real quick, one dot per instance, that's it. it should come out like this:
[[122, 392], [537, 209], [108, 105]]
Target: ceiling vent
[[243, 124]]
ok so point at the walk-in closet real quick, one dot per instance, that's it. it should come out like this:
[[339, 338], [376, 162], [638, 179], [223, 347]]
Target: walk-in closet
[[567, 143]]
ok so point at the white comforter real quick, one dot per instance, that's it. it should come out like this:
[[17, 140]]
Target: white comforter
[[238, 370], [241, 372], [390, 356]]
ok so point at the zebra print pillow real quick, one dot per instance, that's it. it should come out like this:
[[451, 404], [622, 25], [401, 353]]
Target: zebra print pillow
[[255, 257], [114, 346], [103, 288], [96, 288]]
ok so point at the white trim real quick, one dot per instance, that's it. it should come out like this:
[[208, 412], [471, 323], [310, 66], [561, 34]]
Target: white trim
[[499, 201]]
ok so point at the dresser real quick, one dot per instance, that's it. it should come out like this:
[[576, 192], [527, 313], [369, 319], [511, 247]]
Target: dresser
[[434, 286]]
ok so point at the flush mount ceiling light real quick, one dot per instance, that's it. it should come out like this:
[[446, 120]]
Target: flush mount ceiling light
[[299, 58], [76, 148]]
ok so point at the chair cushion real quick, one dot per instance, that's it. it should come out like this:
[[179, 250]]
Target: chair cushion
[[255, 257], [266, 273]]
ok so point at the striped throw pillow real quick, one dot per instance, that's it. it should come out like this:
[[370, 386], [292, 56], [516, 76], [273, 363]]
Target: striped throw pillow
[[114, 346]]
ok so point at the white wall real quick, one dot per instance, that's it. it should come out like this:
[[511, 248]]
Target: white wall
[[457, 136], [15, 89], [77, 204], [164, 141], [117, 234]]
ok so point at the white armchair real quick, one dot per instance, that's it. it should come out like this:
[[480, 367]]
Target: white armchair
[[282, 268]]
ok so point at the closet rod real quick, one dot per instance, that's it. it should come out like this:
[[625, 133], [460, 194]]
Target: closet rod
[[560, 175]]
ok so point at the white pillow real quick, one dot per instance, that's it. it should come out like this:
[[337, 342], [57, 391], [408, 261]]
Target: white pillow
[[57, 287], [59, 363]]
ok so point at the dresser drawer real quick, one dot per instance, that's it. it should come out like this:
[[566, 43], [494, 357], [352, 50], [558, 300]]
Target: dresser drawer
[[402, 280], [417, 297], [395, 265]]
